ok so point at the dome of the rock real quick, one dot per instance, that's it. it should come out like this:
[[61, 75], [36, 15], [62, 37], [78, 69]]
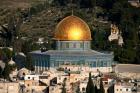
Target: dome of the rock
[[72, 28]]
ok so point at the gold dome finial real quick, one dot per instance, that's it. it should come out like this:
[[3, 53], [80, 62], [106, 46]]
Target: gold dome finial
[[71, 7]]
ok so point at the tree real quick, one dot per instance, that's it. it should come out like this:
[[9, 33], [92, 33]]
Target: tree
[[88, 3], [101, 90], [6, 36], [7, 32], [61, 2], [1, 70], [78, 89], [16, 40], [96, 89], [110, 89], [11, 32], [90, 86], [6, 72], [137, 59], [29, 63], [28, 46], [64, 86], [6, 54]]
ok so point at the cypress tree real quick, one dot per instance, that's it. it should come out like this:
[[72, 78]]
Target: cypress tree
[[64, 86], [96, 90], [6, 71], [90, 86], [1, 71], [110, 89], [101, 87], [78, 90]]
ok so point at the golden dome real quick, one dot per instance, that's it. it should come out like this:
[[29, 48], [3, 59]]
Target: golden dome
[[72, 28]]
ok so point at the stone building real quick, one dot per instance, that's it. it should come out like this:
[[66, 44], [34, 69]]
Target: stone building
[[9, 87]]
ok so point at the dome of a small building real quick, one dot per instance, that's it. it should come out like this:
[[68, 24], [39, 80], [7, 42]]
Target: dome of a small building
[[22, 72], [72, 28], [11, 62], [22, 54]]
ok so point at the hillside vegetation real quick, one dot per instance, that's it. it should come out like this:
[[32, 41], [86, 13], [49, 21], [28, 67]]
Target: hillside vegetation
[[41, 17]]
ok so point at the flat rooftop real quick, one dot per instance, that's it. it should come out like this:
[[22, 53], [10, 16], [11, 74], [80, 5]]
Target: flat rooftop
[[127, 68]]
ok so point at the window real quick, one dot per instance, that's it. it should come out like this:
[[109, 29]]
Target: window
[[81, 45], [67, 45], [23, 74], [98, 63], [106, 82], [87, 44], [104, 63], [61, 45], [83, 89], [94, 63], [74, 45]]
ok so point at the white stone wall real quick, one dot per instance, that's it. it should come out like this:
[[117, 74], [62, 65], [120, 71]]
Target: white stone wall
[[9, 87], [122, 89], [31, 77]]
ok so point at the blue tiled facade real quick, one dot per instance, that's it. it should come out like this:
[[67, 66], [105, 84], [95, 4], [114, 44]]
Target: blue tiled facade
[[55, 58]]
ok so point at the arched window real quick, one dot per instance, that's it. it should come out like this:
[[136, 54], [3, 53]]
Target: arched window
[[83, 89], [81, 45], [67, 45], [127, 89], [74, 45]]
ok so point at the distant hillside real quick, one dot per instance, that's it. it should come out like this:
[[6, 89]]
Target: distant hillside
[[43, 24], [14, 3], [12, 7], [8, 7]]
